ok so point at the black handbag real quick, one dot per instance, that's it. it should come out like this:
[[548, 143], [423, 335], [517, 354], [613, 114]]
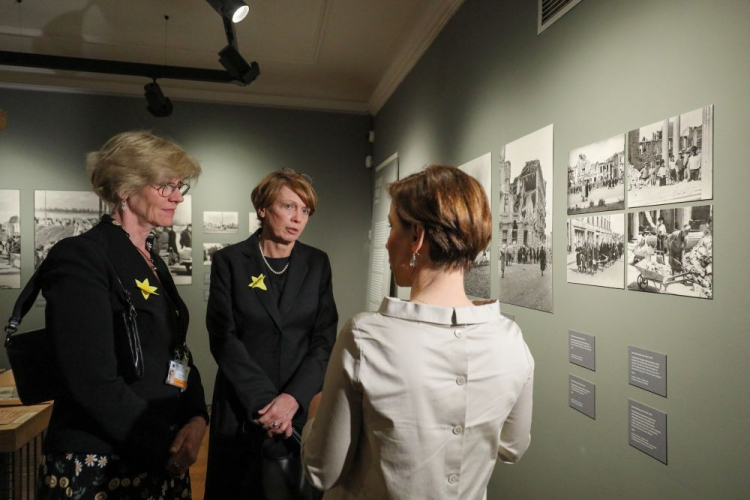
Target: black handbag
[[32, 355], [284, 477]]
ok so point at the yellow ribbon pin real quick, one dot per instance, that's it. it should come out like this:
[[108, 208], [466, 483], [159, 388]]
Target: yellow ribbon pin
[[146, 289], [258, 282]]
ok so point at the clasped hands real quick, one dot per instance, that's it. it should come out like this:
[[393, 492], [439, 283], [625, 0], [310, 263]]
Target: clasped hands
[[276, 417]]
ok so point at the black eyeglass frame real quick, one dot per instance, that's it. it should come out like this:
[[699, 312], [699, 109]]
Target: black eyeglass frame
[[182, 187]]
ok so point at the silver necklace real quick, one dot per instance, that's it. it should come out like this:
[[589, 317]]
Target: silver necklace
[[274, 271]]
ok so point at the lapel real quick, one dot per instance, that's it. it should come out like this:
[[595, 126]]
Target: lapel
[[297, 271], [255, 267]]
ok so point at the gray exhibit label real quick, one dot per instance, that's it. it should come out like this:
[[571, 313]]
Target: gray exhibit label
[[509, 316], [582, 396], [582, 349], [647, 370], [206, 278], [647, 430]]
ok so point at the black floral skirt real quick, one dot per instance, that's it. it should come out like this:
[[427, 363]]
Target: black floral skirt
[[81, 476]]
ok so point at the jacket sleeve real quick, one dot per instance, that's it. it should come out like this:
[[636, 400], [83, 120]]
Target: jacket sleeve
[[79, 316], [251, 384], [308, 378], [330, 440], [193, 401], [515, 436]]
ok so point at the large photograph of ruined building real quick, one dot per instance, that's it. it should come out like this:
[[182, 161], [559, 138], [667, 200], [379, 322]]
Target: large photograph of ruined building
[[596, 177], [10, 238], [525, 255], [671, 251], [671, 161]]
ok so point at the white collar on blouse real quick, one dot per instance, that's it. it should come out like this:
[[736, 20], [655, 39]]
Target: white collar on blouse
[[483, 312]]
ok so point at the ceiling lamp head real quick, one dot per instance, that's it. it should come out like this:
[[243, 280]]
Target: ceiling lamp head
[[235, 10], [159, 105]]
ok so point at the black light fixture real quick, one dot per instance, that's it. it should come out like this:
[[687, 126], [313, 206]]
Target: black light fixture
[[234, 10], [237, 67], [159, 105]]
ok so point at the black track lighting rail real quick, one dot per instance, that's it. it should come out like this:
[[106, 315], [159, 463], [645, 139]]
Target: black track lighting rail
[[152, 71]]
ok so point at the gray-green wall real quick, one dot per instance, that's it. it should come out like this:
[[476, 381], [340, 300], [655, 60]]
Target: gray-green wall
[[607, 67], [48, 135]]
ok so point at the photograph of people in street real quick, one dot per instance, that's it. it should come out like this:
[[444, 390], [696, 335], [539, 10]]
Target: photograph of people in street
[[175, 243], [596, 250], [671, 251], [662, 169], [220, 222], [477, 280], [10, 238], [209, 249], [60, 214], [525, 255], [596, 176]]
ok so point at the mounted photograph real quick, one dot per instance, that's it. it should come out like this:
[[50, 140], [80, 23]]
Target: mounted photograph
[[671, 251], [220, 222], [477, 280], [596, 177], [209, 249], [671, 161], [174, 244], [596, 250], [10, 238]]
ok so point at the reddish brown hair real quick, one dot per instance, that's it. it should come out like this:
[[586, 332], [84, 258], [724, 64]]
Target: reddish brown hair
[[266, 192], [453, 209]]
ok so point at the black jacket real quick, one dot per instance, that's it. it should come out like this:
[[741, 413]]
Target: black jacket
[[263, 348], [100, 411]]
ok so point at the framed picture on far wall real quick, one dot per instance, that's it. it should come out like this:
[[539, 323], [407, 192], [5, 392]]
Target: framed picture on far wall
[[175, 243], [10, 238], [220, 222], [670, 251], [596, 175], [596, 250], [671, 161], [209, 249]]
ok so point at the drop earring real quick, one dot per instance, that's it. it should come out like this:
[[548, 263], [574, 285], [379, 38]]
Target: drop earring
[[413, 261], [124, 205]]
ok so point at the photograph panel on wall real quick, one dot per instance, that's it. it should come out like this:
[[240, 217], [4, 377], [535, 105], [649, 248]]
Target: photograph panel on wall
[[477, 280], [254, 222], [220, 222], [60, 214], [671, 251], [526, 221], [596, 248], [10, 238], [209, 249], [175, 243], [671, 161], [596, 177]]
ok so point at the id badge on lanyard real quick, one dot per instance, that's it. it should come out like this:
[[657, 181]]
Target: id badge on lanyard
[[179, 370]]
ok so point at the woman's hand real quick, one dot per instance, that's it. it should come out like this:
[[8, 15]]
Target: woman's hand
[[276, 416], [184, 450]]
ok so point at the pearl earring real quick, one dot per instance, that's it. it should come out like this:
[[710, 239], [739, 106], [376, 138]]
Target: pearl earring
[[413, 261], [124, 205]]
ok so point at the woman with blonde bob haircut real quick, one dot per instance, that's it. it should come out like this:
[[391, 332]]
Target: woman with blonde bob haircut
[[422, 397]]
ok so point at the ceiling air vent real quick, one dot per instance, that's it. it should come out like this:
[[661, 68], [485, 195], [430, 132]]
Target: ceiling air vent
[[552, 10]]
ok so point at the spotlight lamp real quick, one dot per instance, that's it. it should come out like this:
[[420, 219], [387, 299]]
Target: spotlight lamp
[[235, 10], [237, 67], [158, 105]]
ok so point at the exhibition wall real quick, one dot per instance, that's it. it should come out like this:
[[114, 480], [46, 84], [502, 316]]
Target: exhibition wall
[[607, 67], [48, 135]]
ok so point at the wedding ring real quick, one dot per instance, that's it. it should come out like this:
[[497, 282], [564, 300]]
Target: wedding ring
[[275, 425]]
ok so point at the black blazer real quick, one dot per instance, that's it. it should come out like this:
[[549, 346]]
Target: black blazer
[[263, 348], [99, 411]]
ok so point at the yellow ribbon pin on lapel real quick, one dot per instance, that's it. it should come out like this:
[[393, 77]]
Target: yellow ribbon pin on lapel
[[146, 288], [258, 282]]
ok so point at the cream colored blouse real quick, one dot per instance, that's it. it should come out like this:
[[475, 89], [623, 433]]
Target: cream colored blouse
[[419, 402]]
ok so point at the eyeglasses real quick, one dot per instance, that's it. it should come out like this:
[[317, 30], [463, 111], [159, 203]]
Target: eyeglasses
[[166, 190], [304, 176]]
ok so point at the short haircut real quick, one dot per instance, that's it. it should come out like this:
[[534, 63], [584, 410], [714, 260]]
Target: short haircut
[[132, 160], [266, 192], [453, 209]]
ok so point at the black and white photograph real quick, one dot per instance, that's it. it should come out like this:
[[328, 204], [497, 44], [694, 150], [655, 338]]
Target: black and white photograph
[[596, 250], [220, 222], [477, 280], [596, 177], [526, 221], [60, 214], [671, 251], [209, 249], [10, 238], [662, 169], [175, 243], [254, 222]]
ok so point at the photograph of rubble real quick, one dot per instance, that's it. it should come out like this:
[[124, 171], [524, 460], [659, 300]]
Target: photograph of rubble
[[596, 175], [526, 221], [671, 251], [671, 161], [10, 238], [596, 250]]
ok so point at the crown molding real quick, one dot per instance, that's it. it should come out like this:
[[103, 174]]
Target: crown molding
[[418, 41]]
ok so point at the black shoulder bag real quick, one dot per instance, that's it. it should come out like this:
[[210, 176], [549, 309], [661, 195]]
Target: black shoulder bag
[[32, 356]]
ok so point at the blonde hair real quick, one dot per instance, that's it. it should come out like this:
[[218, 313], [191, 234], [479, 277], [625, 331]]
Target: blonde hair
[[131, 160], [453, 209], [266, 192]]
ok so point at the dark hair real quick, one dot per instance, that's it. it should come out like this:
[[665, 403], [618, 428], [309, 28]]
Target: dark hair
[[453, 209]]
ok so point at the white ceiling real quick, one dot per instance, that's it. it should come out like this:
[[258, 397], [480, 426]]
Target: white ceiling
[[340, 55]]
